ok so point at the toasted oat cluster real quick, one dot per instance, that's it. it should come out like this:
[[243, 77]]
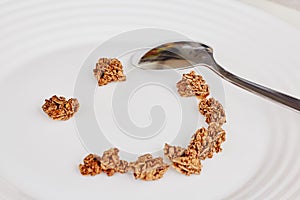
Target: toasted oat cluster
[[193, 85], [187, 165], [145, 168], [215, 137], [91, 165], [58, 108], [189, 162], [109, 163], [108, 70], [148, 168], [205, 142], [212, 110]]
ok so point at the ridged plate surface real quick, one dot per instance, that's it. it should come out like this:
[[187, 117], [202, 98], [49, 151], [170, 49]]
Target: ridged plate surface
[[43, 45]]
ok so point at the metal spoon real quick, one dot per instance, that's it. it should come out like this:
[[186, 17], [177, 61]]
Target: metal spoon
[[187, 54]]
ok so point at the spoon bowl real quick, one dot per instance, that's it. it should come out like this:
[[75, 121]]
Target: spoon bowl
[[188, 54]]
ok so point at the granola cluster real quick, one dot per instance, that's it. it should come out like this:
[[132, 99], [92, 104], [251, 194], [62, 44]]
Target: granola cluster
[[192, 84], [108, 70], [205, 142], [58, 108], [212, 110], [109, 163], [148, 168], [145, 168], [189, 162], [91, 165]]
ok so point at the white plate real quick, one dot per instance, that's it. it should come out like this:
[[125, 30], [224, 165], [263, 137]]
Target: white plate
[[43, 46]]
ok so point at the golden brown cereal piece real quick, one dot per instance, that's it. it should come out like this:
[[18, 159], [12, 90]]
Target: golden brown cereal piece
[[108, 163], [212, 141], [212, 110], [58, 108], [196, 144], [192, 85], [108, 70], [204, 143], [173, 151], [187, 165], [111, 163], [91, 165], [148, 168]]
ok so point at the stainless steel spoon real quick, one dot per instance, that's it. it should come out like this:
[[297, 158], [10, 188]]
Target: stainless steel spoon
[[186, 54]]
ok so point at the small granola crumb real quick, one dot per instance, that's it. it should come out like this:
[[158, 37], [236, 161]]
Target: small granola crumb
[[192, 85], [212, 141], [91, 165], [187, 165], [185, 161], [111, 163], [58, 108], [196, 144], [108, 70], [212, 110], [204, 143], [148, 168]]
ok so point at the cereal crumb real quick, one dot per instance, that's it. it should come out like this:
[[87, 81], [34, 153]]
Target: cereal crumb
[[58, 108], [204, 143], [108, 70], [148, 168], [212, 110], [187, 165], [189, 162], [111, 163], [212, 141], [192, 85], [91, 165]]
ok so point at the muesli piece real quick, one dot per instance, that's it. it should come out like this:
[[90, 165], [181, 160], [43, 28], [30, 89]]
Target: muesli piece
[[58, 108], [212, 110], [91, 165], [111, 163], [192, 84], [148, 168], [108, 70]]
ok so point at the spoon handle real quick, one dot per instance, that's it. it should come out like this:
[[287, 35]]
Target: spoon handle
[[263, 91]]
